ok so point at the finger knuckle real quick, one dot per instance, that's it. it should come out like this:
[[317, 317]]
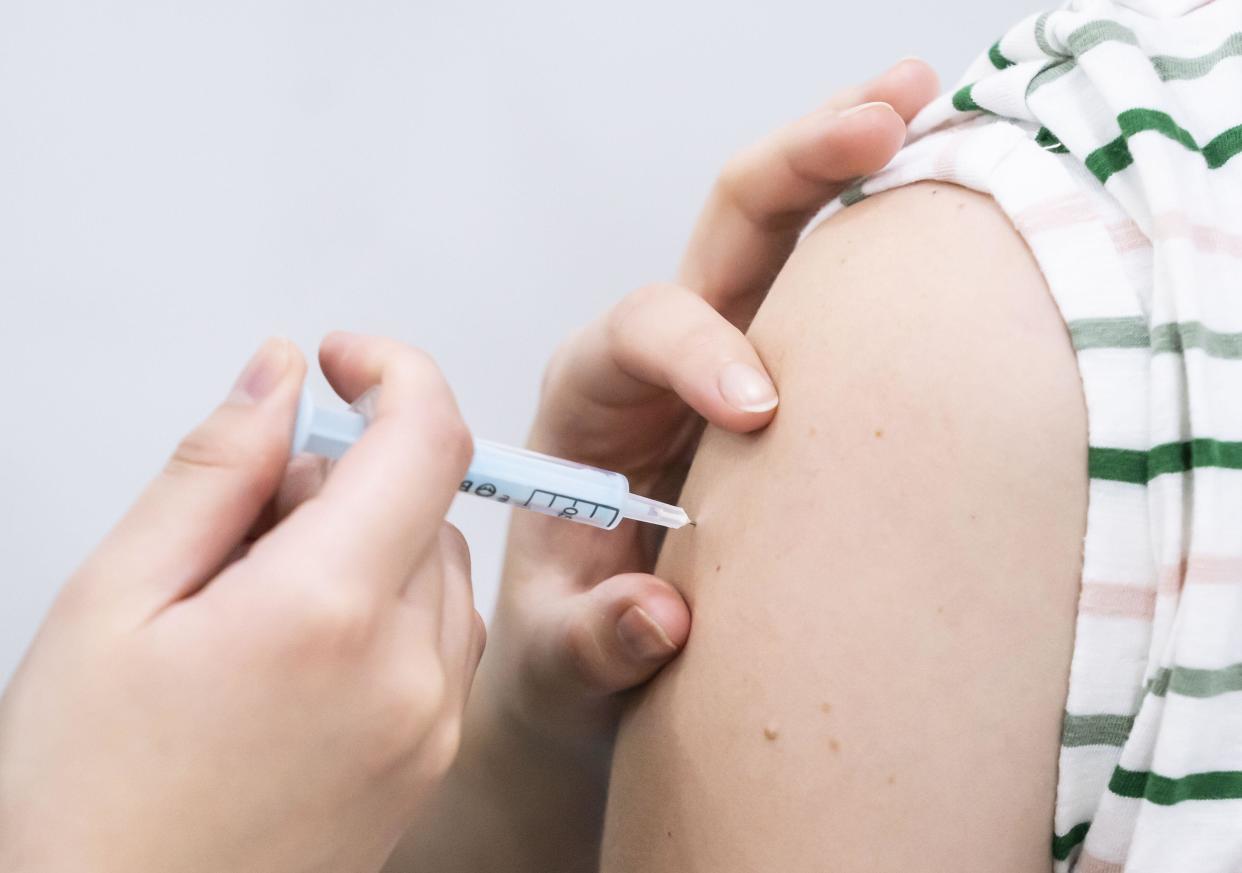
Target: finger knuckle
[[444, 744], [420, 363], [452, 438], [217, 446], [453, 543], [419, 373], [637, 307], [333, 619], [731, 182], [205, 448], [453, 540], [408, 711], [480, 632], [560, 360]]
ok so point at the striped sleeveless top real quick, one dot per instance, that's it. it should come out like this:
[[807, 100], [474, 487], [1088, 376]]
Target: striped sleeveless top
[[1109, 134]]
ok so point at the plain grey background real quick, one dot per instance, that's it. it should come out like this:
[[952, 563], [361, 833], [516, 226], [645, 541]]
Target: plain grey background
[[179, 180]]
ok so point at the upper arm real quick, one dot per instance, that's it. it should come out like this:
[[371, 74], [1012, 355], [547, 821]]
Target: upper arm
[[883, 582]]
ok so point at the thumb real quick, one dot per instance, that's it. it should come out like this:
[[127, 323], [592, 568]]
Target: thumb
[[621, 632], [191, 518]]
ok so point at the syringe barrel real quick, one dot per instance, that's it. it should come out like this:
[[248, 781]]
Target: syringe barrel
[[517, 477], [545, 484]]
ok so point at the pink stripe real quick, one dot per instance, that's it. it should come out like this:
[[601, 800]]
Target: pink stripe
[[1202, 570], [944, 166], [1073, 209], [1175, 225], [1088, 863], [1130, 600], [1063, 211], [1127, 236], [1117, 600]]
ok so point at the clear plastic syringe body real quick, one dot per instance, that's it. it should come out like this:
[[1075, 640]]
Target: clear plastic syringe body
[[517, 477], [546, 484]]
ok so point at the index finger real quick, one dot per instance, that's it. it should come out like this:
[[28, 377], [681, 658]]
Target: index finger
[[768, 193], [381, 507]]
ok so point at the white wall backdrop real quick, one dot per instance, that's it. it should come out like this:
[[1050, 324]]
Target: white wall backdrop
[[179, 180]]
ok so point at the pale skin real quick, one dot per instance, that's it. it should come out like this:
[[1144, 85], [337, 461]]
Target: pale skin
[[228, 544], [884, 580]]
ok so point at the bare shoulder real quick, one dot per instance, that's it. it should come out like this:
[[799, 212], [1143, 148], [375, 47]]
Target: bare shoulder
[[884, 581]]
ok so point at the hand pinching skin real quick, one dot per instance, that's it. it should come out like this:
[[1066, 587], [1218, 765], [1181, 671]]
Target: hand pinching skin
[[581, 618]]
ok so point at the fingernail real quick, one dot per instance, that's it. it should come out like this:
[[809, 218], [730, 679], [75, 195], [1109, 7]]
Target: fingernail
[[863, 107], [746, 389], [642, 637], [262, 373]]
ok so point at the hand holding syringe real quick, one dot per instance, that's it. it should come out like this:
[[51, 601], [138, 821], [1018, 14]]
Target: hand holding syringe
[[517, 477]]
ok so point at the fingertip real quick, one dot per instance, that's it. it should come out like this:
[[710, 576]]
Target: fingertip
[[668, 611], [873, 117], [620, 633], [920, 73], [747, 398], [853, 142], [333, 347], [908, 86], [297, 368], [748, 422]]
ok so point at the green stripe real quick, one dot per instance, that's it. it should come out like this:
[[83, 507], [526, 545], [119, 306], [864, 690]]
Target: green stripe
[[1180, 457], [1194, 682], [1115, 156], [1109, 333], [1139, 468], [1136, 121], [1222, 147], [1095, 730], [998, 60], [1194, 335], [1166, 791], [1064, 844], [853, 194], [1093, 33], [1130, 332], [1109, 159], [964, 101], [1117, 465], [1046, 139], [1041, 37], [1169, 68], [1050, 73]]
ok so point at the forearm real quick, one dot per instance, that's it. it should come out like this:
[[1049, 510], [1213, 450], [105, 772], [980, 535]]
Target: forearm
[[515, 800]]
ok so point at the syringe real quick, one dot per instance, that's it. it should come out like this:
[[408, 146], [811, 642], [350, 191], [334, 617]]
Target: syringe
[[517, 477]]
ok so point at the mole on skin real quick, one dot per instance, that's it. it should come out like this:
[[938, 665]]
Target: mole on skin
[[770, 732]]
